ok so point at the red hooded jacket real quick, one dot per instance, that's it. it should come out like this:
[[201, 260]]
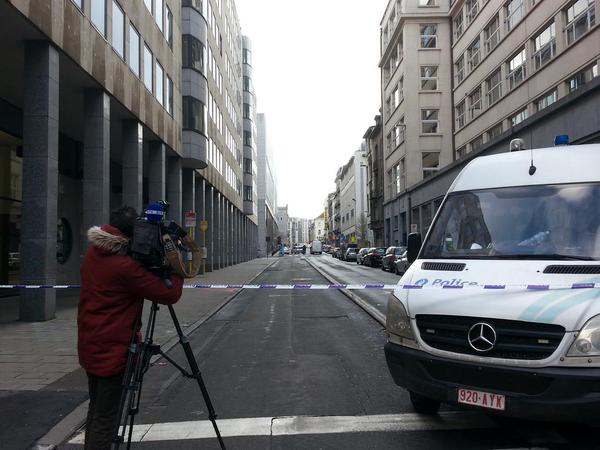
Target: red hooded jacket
[[113, 289]]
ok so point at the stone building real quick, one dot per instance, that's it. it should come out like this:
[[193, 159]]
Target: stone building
[[108, 102]]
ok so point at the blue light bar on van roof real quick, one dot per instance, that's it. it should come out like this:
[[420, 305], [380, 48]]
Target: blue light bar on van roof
[[561, 139]]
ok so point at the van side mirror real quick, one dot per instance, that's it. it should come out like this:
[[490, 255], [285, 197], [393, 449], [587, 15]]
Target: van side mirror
[[413, 247]]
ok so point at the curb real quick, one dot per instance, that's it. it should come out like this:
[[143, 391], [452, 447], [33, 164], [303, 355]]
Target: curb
[[365, 306], [76, 418]]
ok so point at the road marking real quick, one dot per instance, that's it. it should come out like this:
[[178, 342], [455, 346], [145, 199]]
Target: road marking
[[298, 425]]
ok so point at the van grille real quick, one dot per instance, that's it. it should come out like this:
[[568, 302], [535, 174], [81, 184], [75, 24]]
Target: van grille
[[576, 270], [514, 339], [449, 267]]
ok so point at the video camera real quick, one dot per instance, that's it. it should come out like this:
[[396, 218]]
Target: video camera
[[159, 245]]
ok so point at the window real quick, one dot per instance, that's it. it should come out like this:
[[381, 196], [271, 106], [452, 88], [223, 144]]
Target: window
[[194, 55], [581, 16], [198, 5], [430, 163], [492, 34], [460, 115], [582, 77], [98, 15], [472, 8], [514, 13], [429, 36], [459, 69], [148, 4], [458, 24], [475, 102], [247, 111], [476, 143], [159, 92], [544, 46], [516, 68], [473, 53], [158, 13], [495, 131], [519, 117], [148, 65], [429, 78], [494, 87], [169, 95], [394, 99], [398, 133], [248, 138], [247, 56], [247, 83], [79, 3], [169, 27], [247, 193], [134, 50], [402, 175], [546, 100], [429, 121], [118, 29], [194, 115]]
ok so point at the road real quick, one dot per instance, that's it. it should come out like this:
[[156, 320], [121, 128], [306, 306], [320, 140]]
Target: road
[[305, 370]]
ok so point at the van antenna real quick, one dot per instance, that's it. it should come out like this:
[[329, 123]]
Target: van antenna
[[532, 168]]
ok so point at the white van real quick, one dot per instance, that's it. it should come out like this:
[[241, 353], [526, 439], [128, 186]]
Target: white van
[[316, 247], [501, 307]]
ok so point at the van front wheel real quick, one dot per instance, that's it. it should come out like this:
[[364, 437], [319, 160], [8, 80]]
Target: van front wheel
[[424, 405]]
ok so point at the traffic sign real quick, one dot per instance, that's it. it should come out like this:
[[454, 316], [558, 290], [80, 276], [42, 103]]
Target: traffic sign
[[190, 219], [203, 225]]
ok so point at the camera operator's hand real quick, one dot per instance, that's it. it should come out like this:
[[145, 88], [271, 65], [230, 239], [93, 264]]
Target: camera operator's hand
[[176, 230]]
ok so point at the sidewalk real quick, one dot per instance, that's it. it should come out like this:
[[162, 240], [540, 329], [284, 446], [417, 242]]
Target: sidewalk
[[39, 368]]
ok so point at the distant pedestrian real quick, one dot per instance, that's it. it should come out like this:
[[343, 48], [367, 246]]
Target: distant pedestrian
[[304, 249], [113, 289]]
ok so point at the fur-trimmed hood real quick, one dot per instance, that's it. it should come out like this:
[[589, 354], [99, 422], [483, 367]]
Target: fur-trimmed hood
[[108, 239]]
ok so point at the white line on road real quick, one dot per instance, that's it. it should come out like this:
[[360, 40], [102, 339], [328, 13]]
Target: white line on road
[[296, 425]]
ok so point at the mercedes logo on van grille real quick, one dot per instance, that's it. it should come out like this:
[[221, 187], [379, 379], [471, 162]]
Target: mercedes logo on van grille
[[482, 337]]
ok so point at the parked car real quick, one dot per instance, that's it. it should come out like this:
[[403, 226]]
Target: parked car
[[402, 264], [374, 257], [350, 254], [326, 248], [286, 250], [392, 254], [336, 252], [360, 256]]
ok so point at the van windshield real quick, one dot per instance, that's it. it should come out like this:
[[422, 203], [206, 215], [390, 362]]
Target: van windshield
[[526, 222]]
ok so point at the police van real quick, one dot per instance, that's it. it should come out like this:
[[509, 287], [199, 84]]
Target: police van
[[500, 308]]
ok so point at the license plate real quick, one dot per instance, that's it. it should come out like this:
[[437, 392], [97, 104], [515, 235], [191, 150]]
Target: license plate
[[483, 399]]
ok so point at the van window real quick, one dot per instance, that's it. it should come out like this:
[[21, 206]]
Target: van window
[[528, 222]]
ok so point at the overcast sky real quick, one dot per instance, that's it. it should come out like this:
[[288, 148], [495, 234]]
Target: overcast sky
[[316, 78]]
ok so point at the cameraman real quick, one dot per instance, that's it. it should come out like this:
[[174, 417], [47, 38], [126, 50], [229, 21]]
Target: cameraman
[[113, 289]]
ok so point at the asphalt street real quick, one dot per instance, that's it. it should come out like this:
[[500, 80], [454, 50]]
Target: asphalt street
[[306, 370]]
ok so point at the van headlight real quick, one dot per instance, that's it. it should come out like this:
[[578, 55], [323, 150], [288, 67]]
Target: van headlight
[[587, 342], [397, 323]]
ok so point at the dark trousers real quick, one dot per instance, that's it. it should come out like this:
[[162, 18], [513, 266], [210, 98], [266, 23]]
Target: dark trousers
[[105, 394]]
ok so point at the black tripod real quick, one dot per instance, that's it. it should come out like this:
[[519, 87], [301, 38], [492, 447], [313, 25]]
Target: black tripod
[[138, 363]]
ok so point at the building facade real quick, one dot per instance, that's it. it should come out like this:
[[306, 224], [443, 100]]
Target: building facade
[[521, 69], [107, 103], [353, 208], [267, 191], [283, 224], [417, 103], [375, 181]]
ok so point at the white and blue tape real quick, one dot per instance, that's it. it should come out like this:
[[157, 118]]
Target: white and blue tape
[[390, 287]]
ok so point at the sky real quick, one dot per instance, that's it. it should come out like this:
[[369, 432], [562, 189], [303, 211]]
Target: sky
[[317, 80]]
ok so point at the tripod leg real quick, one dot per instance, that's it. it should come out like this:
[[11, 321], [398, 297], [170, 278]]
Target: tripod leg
[[189, 354], [137, 365]]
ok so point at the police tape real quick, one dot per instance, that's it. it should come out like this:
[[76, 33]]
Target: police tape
[[421, 284]]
